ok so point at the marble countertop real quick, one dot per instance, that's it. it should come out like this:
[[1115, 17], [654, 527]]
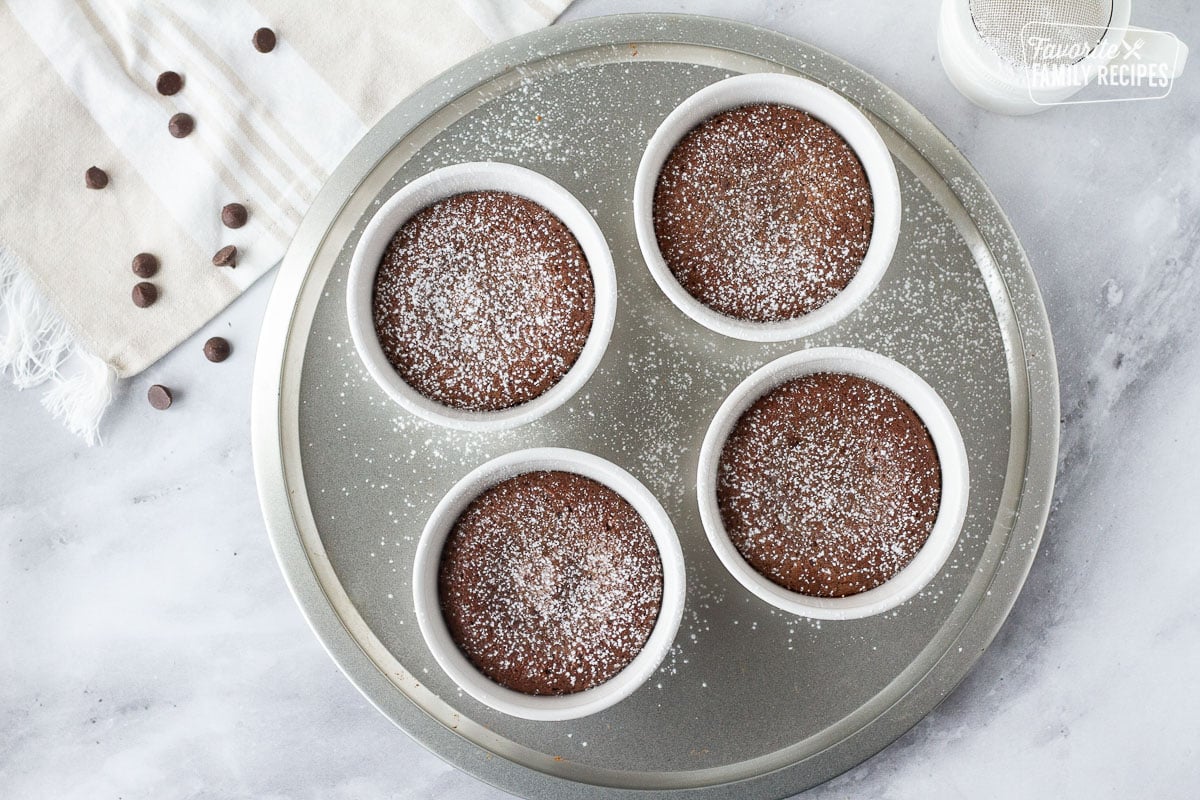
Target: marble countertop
[[151, 648]]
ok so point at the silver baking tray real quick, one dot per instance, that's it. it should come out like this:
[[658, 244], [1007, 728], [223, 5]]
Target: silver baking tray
[[750, 702]]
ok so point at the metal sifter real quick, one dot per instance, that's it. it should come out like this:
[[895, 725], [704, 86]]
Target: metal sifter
[[1021, 56]]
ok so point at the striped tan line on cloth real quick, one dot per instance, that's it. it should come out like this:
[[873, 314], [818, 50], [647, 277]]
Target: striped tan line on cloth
[[227, 148], [142, 68], [264, 127]]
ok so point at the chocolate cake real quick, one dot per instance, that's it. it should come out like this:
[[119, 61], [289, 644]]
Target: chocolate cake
[[829, 484], [763, 213], [483, 301], [550, 583]]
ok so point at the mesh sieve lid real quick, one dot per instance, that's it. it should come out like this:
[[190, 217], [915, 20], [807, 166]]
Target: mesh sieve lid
[[1002, 27]]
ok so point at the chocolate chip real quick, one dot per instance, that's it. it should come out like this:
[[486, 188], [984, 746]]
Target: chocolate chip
[[216, 349], [181, 125], [145, 265], [226, 257], [169, 83], [159, 397], [95, 178], [264, 40], [234, 215], [144, 294]]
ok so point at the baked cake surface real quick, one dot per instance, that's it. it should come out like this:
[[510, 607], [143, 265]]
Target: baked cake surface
[[829, 484], [550, 583], [763, 213], [483, 301]]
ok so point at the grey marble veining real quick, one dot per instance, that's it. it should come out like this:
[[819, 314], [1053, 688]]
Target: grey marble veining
[[151, 648]]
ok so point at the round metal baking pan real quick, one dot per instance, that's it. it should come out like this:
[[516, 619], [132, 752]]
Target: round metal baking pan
[[750, 702]]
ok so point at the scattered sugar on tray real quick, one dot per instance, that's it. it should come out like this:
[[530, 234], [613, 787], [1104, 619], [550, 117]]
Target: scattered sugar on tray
[[529, 130], [933, 328]]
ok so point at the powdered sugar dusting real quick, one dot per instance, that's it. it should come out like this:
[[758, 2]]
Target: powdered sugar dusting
[[829, 484], [550, 583], [763, 213], [739, 681], [483, 301]]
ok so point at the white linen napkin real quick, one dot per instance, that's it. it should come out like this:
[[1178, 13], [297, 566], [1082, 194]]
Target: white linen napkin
[[77, 88]]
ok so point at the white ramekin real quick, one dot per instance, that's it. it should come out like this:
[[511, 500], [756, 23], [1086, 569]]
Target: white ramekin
[[951, 453], [437, 635], [827, 106], [438, 185]]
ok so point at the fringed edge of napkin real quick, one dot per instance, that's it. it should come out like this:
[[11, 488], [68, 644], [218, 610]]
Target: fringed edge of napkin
[[38, 347]]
